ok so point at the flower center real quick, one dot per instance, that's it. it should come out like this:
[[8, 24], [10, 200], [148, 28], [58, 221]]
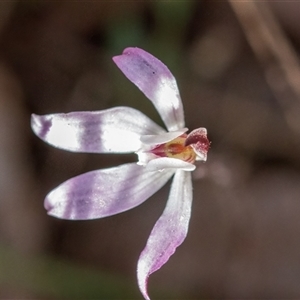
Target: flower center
[[176, 149], [187, 147]]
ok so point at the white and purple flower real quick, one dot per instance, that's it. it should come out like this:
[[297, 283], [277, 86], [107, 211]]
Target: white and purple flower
[[161, 154]]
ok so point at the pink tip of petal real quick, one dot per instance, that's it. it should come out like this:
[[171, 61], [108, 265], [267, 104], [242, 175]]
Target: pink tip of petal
[[40, 125], [143, 282]]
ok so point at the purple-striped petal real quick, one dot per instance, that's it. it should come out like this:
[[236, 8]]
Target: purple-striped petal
[[156, 81], [114, 130], [169, 231], [104, 192]]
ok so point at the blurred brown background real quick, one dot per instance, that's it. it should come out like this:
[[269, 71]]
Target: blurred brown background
[[236, 64]]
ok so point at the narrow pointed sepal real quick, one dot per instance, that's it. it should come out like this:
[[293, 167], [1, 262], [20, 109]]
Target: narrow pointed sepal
[[169, 231], [156, 81], [104, 192]]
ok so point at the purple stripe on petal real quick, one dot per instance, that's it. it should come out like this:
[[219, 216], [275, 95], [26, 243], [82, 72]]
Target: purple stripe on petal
[[156, 81], [169, 231], [104, 192], [43, 125], [115, 130]]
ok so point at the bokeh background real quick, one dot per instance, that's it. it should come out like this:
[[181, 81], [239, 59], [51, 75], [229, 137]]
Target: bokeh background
[[237, 67]]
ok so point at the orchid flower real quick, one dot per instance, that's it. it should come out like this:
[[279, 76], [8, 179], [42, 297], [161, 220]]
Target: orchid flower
[[161, 154]]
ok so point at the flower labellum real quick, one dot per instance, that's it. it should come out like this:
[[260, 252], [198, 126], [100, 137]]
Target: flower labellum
[[161, 154]]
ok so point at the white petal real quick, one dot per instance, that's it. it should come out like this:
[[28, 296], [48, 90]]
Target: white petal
[[169, 231], [115, 130], [104, 192], [156, 81], [145, 157], [162, 137], [162, 163]]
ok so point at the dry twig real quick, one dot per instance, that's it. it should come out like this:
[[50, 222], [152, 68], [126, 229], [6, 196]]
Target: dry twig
[[275, 53]]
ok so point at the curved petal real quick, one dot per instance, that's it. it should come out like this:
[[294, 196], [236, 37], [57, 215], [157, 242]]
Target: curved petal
[[156, 81], [199, 142], [162, 163], [169, 231], [104, 192], [114, 130], [162, 137]]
